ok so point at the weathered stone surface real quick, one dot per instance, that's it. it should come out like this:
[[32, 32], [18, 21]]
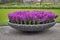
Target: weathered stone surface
[[37, 27]]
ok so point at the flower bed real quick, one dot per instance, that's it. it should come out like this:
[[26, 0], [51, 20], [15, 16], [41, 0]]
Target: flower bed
[[32, 17]]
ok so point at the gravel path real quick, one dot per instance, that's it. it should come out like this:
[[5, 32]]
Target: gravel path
[[8, 33]]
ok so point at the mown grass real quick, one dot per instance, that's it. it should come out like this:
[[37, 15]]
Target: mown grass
[[4, 14]]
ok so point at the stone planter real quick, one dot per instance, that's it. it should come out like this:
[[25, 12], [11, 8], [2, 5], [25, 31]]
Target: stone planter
[[38, 27]]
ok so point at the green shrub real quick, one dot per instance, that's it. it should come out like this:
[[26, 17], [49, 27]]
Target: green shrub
[[10, 7]]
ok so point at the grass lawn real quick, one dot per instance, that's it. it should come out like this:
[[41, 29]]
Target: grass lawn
[[4, 14]]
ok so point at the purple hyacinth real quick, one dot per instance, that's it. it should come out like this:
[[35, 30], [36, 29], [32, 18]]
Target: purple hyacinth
[[34, 15]]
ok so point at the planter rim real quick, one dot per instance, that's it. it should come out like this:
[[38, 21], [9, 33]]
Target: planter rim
[[31, 24]]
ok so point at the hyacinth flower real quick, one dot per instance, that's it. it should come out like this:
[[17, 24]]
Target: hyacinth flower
[[50, 16], [10, 16], [31, 17], [35, 17], [25, 16]]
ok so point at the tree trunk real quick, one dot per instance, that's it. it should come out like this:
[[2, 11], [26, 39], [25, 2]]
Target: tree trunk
[[41, 2], [54, 2]]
